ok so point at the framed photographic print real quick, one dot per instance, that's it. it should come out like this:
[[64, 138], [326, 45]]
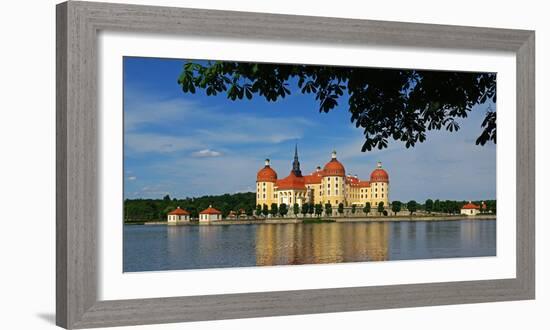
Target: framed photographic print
[[217, 165]]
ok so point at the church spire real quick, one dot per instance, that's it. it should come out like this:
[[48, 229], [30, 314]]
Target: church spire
[[296, 163]]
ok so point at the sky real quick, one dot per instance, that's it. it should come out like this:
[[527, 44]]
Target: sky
[[190, 145]]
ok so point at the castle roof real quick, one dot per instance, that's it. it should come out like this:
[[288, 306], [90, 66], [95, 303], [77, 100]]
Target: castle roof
[[292, 181], [379, 174], [266, 174], [314, 178], [354, 181], [334, 168], [296, 181]]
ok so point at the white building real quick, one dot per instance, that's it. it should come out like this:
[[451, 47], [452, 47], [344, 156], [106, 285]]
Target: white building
[[470, 209], [210, 214], [178, 215]]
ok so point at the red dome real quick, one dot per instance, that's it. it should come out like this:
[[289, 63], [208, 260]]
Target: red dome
[[379, 175], [334, 168], [266, 174]]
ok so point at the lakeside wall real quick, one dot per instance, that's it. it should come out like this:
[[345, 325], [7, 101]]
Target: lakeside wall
[[334, 219], [417, 218]]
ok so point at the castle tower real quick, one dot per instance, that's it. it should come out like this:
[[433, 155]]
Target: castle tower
[[296, 163], [334, 183], [291, 189], [379, 186], [265, 185]]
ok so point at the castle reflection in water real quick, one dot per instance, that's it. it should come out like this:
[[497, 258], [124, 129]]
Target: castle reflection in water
[[218, 246], [316, 244]]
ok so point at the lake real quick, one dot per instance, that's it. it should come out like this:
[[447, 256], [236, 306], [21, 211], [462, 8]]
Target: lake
[[151, 248]]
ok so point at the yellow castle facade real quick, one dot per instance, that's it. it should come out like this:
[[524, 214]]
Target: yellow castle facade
[[330, 184]]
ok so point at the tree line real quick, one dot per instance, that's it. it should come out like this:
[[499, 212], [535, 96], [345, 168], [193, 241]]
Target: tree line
[[429, 206], [158, 209], [309, 209], [318, 209], [440, 206]]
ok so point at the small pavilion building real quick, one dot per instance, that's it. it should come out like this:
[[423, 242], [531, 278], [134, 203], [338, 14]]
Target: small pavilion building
[[483, 207], [470, 209], [178, 215], [210, 214]]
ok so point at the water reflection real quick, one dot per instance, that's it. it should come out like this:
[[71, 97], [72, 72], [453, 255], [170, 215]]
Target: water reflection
[[192, 247], [321, 243]]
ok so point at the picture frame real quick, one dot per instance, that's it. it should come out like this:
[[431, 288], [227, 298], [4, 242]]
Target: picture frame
[[77, 189]]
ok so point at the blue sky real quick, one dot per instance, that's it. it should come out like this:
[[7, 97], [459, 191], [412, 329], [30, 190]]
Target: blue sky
[[190, 145]]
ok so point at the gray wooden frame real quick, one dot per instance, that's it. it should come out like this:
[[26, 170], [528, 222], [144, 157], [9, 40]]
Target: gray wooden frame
[[78, 24]]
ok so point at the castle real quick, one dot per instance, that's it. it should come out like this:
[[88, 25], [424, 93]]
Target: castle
[[327, 185]]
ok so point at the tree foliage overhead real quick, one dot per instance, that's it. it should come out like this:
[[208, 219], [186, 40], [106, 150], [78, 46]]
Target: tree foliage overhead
[[386, 103]]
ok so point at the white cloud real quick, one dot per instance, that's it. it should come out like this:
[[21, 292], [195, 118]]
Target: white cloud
[[190, 125], [150, 142], [206, 153], [140, 110], [154, 191], [131, 178], [191, 176]]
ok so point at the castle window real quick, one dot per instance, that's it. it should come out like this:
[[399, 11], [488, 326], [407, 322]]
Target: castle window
[[382, 195], [376, 196], [361, 195], [336, 185], [264, 183], [264, 196]]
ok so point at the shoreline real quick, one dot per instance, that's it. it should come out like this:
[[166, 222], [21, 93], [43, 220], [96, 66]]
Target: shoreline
[[414, 218]]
